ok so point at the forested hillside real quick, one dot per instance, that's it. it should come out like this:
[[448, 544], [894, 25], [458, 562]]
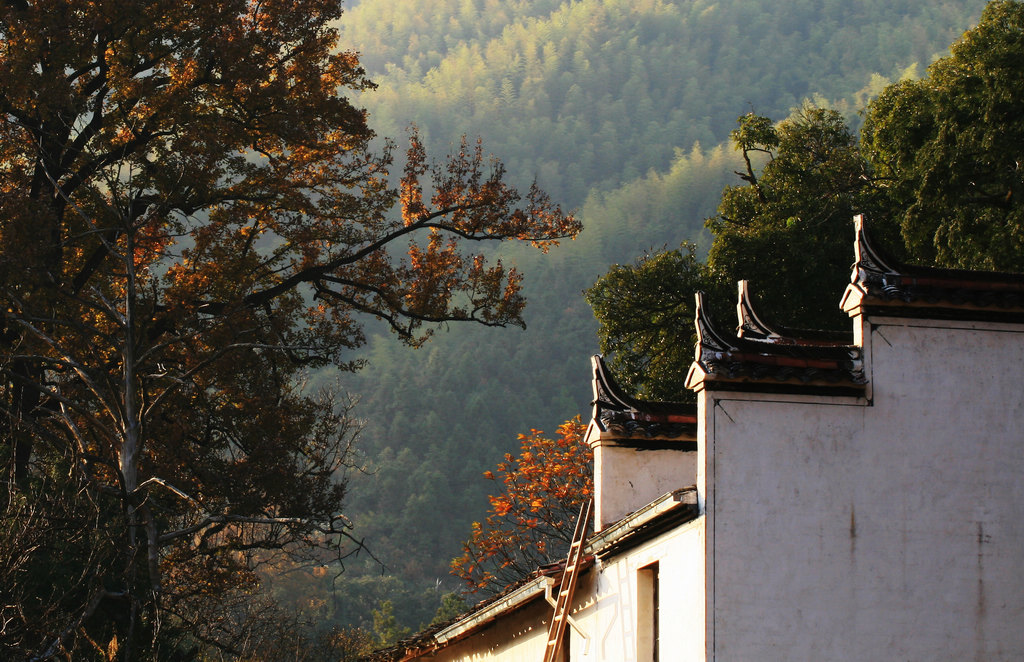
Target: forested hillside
[[620, 108], [596, 92]]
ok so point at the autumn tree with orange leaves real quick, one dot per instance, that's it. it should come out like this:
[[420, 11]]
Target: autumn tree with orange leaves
[[531, 522], [191, 216]]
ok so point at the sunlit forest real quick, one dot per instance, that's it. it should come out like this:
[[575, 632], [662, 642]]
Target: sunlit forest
[[620, 109]]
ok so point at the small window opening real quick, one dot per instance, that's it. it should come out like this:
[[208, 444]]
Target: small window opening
[[648, 614]]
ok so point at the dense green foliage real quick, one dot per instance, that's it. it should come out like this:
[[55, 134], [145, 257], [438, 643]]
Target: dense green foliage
[[646, 310], [605, 102], [597, 92], [951, 148], [787, 228]]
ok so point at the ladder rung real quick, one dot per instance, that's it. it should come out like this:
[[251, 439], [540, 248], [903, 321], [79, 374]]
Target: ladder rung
[[568, 583]]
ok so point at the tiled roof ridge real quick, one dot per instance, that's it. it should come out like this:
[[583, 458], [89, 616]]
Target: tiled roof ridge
[[754, 325], [743, 360], [885, 284], [609, 396], [620, 413]]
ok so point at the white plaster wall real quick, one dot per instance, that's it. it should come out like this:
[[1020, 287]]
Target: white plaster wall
[[626, 479], [611, 616], [604, 607], [895, 531]]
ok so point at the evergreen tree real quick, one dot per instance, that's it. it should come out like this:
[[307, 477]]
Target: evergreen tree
[[950, 147]]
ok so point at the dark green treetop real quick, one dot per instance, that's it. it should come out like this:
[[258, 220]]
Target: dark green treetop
[[950, 148], [646, 311], [788, 228]]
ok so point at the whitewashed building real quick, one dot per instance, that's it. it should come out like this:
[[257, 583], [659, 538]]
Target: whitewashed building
[[829, 498]]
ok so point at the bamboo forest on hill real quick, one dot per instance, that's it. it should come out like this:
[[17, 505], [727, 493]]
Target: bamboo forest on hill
[[619, 108]]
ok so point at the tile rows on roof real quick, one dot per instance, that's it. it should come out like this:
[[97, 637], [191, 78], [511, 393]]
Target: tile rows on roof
[[760, 354], [625, 416], [885, 285], [624, 424]]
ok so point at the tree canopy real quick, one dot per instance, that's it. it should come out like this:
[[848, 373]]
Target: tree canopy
[[646, 311], [597, 92], [530, 522], [787, 228], [950, 148], [192, 215]]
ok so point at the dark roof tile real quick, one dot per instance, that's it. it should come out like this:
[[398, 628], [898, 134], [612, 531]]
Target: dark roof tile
[[629, 417], [882, 286], [764, 359]]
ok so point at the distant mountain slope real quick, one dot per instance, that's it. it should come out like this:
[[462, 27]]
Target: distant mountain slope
[[597, 92]]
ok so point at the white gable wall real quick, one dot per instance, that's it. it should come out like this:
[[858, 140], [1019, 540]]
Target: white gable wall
[[614, 617], [893, 530], [626, 477]]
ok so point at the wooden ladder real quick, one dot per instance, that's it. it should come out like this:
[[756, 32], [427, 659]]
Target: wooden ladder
[[567, 587]]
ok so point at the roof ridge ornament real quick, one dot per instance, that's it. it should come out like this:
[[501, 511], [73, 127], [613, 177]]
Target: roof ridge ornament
[[616, 411], [755, 327], [867, 258], [783, 365], [607, 393], [710, 343], [711, 346], [883, 286], [750, 324], [872, 272]]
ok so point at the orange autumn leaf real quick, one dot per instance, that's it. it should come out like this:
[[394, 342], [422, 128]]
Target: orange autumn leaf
[[531, 522]]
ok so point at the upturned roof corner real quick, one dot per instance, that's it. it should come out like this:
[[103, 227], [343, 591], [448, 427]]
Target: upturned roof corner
[[883, 287], [755, 325], [617, 414], [762, 357]]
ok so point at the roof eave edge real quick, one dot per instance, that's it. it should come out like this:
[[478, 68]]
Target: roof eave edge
[[525, 593], [669, 501]]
